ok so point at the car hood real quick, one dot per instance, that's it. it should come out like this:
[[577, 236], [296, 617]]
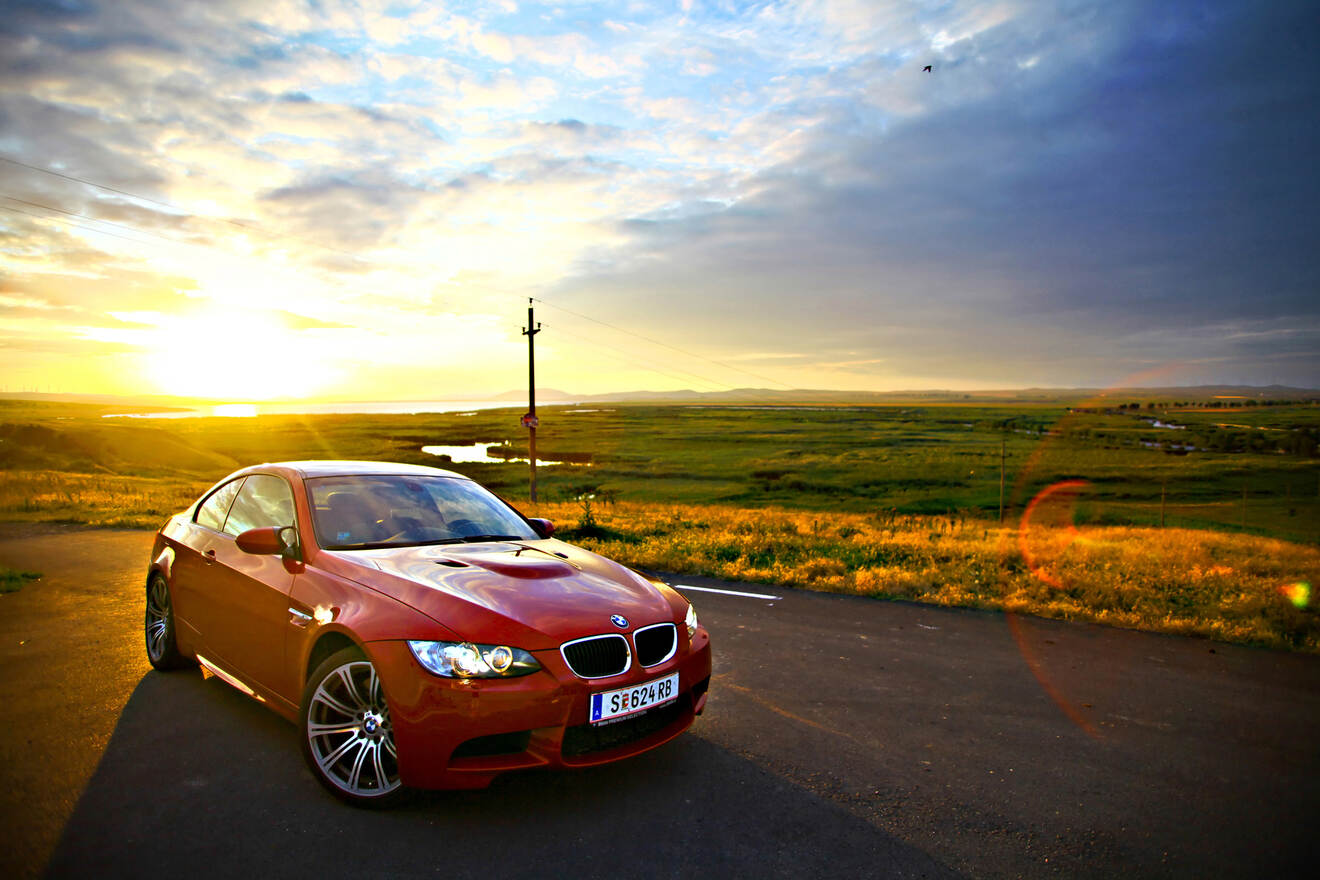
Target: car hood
[[536, 593]]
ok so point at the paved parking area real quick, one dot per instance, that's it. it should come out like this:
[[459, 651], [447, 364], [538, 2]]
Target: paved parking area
[[844, 737]]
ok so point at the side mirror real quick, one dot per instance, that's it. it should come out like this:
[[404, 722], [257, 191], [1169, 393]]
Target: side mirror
[[543, 527], [269, 541]]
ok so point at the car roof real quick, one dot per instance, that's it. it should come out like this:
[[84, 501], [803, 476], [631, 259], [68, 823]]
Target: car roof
[[309, 469]]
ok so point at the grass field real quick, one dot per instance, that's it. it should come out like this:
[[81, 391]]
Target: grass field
[[1234, 588], [889, 500], [12, 581]]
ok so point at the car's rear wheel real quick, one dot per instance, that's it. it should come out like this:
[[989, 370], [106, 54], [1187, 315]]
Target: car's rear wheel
[[162, 649], [348, 740]]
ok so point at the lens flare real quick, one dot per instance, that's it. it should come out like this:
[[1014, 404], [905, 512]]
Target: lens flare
[[1299, 593], [1052, 513], [1047, 529]]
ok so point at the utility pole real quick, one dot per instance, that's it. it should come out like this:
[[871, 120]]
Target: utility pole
[[530, 419]]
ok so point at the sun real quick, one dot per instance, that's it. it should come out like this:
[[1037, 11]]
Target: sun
[[226, 355]]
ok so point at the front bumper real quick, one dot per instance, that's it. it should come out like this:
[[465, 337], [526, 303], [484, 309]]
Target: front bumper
[[461, 734]]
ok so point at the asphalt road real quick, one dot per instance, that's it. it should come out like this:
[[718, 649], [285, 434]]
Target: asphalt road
[[843, 737]]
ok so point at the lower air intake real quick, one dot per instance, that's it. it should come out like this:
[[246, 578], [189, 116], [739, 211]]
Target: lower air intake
[[585, 739]]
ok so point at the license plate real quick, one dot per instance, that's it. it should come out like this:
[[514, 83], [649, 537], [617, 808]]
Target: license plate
[[610, 706]]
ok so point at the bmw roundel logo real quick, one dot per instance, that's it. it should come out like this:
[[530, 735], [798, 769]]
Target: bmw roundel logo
[[619, 620]]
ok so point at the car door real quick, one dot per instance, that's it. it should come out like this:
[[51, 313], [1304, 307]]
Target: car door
[[246, 605], [193, 571]]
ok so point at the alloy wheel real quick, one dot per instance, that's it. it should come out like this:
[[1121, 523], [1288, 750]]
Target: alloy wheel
[[158, 619], [349, 733]]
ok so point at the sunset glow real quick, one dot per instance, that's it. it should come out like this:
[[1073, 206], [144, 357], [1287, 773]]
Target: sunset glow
[[363, 196], [233, 355]]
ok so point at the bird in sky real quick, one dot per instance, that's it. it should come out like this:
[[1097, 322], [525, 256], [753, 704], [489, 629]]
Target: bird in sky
[[926, 69]]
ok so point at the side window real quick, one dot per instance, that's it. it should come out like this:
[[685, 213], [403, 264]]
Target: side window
[[263, 501], [215, 508]]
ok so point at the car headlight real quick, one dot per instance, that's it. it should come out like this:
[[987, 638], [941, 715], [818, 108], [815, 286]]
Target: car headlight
[[466, 660], [691, 621]]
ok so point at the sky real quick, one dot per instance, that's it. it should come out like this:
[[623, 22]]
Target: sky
[[246, 199]]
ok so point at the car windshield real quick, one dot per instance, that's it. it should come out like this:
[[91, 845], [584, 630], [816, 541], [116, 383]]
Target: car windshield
[[369, 511]]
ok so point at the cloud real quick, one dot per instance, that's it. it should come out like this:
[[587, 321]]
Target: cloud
[[1074, 190], [1071, 204], [303, 322]]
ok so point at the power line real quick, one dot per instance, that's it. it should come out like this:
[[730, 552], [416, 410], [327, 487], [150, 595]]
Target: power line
[[667, 345], [678, 375], [186, 213], [626, 332], [89, 183], [624, 357], [71, 223], [97, 220]]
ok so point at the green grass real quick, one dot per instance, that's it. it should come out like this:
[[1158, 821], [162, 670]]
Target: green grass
[[910, 458], [897, 501], [12, 581], [109, 501]]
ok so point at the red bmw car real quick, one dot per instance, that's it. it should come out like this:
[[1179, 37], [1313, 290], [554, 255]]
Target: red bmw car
[[419, 630]]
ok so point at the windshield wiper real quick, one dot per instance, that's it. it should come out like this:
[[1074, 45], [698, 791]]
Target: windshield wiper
[[381, 545], [466, 539], [365, 545]]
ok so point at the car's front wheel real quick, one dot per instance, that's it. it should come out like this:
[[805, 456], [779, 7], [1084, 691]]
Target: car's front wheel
[[348, 740], [162, 649]]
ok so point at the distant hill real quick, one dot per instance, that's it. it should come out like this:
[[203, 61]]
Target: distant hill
[[1022, 395], [547, 395], [155, 402], [108, 448], [770, 396]]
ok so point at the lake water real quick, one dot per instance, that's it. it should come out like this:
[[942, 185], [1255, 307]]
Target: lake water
[[479, 453], [1156, 423]]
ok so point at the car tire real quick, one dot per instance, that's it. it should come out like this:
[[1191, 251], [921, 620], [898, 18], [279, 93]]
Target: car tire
[[158, 627], [347, 738]]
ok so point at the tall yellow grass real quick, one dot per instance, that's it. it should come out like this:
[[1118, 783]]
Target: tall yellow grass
[[93, 499], [1234, 588]]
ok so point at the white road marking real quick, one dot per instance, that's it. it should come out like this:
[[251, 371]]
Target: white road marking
[[725, 592]]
